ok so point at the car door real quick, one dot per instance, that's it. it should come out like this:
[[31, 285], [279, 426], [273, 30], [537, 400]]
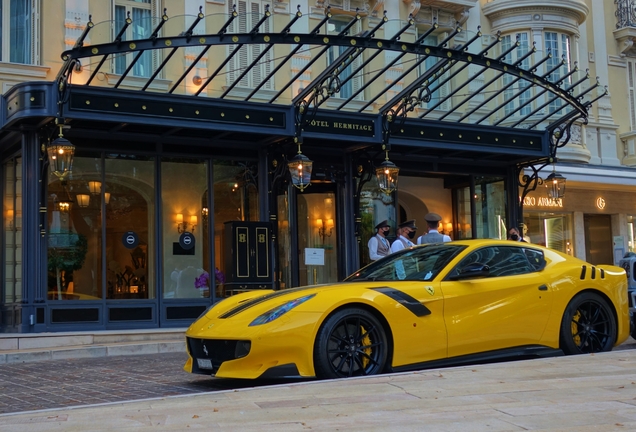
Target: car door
[[508, 308]]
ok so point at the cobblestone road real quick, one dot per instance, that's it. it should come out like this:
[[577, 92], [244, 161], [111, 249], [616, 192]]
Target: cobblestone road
[[66, 383]]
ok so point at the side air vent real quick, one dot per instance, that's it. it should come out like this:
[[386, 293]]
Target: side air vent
[[602, 274], [593, 272], [583, 269]]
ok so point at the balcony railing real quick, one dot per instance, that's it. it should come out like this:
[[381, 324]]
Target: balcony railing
[[625, 13]]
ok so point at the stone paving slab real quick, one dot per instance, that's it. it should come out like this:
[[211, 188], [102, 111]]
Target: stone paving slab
[[576, 393]]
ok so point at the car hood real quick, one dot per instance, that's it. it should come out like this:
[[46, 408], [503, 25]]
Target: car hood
[[257, 302]]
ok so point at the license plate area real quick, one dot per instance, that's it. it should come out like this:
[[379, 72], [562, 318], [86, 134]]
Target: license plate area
[[204, 363]]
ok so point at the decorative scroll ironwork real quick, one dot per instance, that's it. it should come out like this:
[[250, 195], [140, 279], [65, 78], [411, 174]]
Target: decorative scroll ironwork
[[625, 13], [317, 44], [559, 137]]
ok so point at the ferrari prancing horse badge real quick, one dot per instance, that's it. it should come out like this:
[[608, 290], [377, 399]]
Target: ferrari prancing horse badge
[[430, 290]]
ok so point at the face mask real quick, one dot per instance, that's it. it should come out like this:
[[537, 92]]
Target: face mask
[[386, 231], [514, 237], [412, 234]]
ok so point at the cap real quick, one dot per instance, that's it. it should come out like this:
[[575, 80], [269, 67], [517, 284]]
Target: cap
[[408, 224], [432, 217], [384, 223]]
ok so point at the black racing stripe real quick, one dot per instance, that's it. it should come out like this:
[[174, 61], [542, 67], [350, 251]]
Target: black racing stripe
[[405, 300], [253, 302], [593, 272], [583, 272]]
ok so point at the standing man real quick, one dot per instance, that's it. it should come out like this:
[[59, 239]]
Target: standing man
[[433, 236], [378, 244], [406, 232]]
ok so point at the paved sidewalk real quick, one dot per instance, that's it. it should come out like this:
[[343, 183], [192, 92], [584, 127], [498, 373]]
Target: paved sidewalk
[[577, 393]]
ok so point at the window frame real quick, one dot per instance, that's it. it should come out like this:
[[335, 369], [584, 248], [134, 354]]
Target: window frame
[[512, 57], [128, 5], [33, 42]]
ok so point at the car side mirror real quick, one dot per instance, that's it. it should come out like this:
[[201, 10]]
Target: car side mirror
[[471, 271]]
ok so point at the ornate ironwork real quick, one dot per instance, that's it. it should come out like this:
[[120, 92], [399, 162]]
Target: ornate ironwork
[[625, 13], [559, 137]]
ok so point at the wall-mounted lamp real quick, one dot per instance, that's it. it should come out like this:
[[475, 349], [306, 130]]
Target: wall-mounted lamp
[[83, 200], [107, 197], [183, 226], [95, 187], [325, 229], [300, 167], [448, 228]]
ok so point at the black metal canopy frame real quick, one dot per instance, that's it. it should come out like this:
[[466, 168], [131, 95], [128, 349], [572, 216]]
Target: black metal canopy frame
[[354, 62], [532, 101]]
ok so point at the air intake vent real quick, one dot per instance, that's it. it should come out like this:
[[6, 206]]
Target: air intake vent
[[583, 269]]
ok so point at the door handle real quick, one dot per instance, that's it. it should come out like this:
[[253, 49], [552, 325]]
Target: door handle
[[543, 287]]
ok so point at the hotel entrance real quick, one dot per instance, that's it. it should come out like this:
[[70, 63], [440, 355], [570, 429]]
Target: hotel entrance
[[308, 237]]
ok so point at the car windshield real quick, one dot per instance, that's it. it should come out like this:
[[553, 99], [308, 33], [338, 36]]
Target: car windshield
[[417, 264]]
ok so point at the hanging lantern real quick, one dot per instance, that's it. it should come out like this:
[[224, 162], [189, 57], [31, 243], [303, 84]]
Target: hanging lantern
[[555, 183], [387, 174], [300, 167], [83, 200], [61, 153]]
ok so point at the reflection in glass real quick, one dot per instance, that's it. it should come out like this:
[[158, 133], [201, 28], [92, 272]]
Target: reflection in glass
[[375, 206], [131, 208], [316, 230], [74, 235], [186, 269], [235, 199], [553, 230], [490, 208], [463, 230], [12, 231]]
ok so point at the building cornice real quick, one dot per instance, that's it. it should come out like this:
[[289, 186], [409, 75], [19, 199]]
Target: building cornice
[[510, 15]]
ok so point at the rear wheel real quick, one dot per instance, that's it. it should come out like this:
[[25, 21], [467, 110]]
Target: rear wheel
[[350, 343], [588, 325]]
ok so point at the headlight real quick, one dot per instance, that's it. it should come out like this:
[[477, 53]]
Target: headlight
[[279, 311]]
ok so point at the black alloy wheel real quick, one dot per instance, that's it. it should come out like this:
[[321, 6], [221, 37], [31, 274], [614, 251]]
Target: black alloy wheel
[[588, 325], [350, 343]]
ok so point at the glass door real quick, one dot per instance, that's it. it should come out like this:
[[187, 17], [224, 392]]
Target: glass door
[[317, 237]]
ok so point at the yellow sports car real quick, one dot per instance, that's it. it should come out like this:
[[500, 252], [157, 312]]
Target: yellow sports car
[[428, 306]]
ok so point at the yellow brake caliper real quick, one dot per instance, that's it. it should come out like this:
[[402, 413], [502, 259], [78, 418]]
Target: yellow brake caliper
[[575, 328], [366, 342]]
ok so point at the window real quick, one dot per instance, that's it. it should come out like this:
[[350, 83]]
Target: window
[[348, 86], [502, 261], [12, 232], [142, 26], [17, 38], [516, 105], [559, 45], [631, 78], [249, 14], [439, 92]]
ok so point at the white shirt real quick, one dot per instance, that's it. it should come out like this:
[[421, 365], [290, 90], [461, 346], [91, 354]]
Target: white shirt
[[398, 245], [373, 247]]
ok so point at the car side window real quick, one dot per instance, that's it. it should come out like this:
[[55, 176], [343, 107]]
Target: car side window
[[535, 258], [502, 261]]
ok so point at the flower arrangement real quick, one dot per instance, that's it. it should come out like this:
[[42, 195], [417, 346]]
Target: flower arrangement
[[203, 280]]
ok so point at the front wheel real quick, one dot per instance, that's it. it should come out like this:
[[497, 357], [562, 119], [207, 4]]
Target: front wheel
[[588, 325], [350, 343]]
